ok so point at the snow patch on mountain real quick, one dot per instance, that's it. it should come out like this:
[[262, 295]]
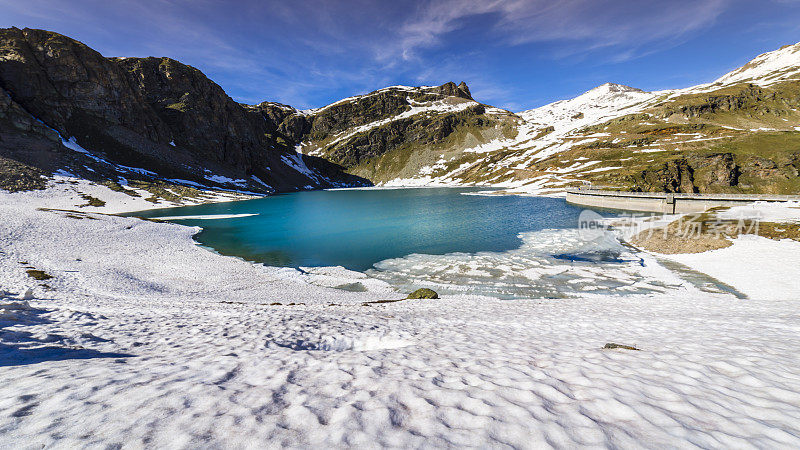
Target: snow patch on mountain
[[601, 103], [225, 180], [435, 107], [295, 161], [767, 68], [358, 97]]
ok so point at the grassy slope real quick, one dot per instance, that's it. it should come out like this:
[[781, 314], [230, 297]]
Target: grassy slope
[[698, 126]]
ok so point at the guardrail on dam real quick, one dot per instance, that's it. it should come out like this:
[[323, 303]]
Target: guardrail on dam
[[664, 202]]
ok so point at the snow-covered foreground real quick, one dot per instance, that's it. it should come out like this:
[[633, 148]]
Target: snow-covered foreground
[[146, 340], [757, 266], [712, 372]]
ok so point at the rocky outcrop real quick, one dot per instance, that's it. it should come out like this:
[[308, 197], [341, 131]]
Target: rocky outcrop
[[286, 124], [63, 82], [764, 168], [153, 113], [398, 131], [198, 115], [15, 176], [421, 131], [360, 130], [716, 173], [748, 100], [28, 149], [673, 176], [450, 89], [723, 102], [14, 117], [379, 105]]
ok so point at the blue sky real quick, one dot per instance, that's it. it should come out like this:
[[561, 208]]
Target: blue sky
[[513, 54]]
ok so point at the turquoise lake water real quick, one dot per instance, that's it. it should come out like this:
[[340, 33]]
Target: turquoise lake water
[[358, 228], [447, 239]]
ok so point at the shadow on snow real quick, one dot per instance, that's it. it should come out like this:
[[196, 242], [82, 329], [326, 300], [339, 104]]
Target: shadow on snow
[[18, 347]]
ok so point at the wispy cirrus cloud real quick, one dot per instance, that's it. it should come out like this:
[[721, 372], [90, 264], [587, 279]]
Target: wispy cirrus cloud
[[513, 53], [584, 25]]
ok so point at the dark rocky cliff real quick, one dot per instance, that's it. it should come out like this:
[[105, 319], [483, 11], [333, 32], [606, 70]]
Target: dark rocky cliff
[[716, 173], [151, 113]]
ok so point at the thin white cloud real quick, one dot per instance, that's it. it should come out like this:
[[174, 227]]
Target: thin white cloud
[[306, 53], [592, 23]]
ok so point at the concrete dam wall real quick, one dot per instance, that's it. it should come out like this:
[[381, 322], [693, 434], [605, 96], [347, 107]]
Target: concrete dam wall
[[664, 202]]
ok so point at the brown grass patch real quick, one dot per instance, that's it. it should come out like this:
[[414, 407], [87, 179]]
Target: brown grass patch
[[697, 233]]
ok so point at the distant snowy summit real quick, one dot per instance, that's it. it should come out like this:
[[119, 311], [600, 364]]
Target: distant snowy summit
[[766, 69], [608, 92]]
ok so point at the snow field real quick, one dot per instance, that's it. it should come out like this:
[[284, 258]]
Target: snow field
[[144, 339], [712, 372]]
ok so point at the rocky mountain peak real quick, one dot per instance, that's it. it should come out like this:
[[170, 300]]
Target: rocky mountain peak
[[464, 88], [451, 89]]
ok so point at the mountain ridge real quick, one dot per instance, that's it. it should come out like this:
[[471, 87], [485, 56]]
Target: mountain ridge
[[521, 161], [156, 114], [155, 120], [527, 163]]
